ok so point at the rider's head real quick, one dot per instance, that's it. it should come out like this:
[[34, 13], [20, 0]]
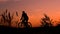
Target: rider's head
[[23, 11]]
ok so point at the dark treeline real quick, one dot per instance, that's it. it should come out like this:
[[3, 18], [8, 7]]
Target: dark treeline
[[6, 17]]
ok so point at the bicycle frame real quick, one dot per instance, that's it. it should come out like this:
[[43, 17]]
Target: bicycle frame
[[28, 24]]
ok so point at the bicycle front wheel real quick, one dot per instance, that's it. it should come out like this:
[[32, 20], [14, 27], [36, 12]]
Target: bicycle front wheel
[[29, 24]]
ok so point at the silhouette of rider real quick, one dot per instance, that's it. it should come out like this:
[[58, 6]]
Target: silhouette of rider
[[24, 18]]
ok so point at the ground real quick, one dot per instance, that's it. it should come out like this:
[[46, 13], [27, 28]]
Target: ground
[[35, 30]]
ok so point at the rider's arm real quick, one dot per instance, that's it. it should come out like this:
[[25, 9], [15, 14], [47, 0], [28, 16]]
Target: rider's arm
[[21, 17]]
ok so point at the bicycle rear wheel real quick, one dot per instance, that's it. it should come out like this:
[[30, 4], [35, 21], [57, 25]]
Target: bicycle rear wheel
[[20, 25]]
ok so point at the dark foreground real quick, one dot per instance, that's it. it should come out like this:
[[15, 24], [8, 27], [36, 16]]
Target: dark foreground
[[36, 30]]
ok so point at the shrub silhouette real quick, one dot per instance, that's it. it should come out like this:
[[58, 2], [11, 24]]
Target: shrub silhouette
[[6, 17], [46, 21], [58, 25], [9, 18], [16, 13]]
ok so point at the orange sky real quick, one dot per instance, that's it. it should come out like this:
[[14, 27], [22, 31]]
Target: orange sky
[[34, 8]]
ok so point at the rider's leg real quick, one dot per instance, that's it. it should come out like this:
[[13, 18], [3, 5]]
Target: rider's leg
[[26, 22], [22, 22]]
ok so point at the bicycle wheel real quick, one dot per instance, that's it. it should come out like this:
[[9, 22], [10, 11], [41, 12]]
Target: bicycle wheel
[[20, 25], [29, 24]]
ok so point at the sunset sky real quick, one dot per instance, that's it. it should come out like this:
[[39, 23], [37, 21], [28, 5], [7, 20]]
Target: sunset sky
[[34, 8]]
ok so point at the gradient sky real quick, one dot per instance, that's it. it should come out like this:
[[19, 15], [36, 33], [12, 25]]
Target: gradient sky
[[34, 8]]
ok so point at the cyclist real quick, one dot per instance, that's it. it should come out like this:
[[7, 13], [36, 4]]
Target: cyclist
[[24, 18]]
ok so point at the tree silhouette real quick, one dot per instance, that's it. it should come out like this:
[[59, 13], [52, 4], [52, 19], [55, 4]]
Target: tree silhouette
[[46, 21]]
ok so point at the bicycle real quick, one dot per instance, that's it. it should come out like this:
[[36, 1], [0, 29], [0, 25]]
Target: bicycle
[[24, 25]]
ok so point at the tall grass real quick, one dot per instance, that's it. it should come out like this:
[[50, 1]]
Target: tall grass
[[6, 17]]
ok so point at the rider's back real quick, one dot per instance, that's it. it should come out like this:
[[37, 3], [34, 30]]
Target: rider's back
[[25, 16]]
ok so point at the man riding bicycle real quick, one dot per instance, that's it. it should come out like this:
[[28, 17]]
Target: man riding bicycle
[[24, 18]]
